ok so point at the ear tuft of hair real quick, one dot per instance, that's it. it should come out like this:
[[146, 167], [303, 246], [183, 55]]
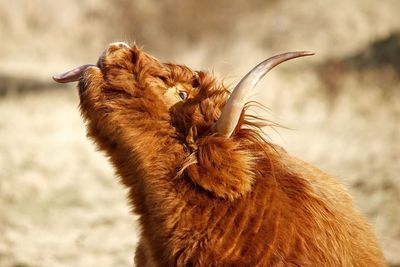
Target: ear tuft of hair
[[223, 168]]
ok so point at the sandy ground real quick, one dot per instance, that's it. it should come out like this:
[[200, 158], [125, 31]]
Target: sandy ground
[[60, 203]]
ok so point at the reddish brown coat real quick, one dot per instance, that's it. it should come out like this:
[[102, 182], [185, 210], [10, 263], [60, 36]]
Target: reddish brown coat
[[208, 200]]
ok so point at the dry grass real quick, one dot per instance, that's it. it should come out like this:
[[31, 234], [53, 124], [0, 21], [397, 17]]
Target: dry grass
[[60, 204]]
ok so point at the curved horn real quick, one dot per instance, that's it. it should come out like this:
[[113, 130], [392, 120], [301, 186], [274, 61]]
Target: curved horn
[[73, 75], [230, 115]]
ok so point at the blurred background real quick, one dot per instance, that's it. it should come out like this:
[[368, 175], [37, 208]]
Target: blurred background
[[60, 203]]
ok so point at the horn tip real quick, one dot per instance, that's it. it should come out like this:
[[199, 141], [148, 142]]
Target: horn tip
[[307, 53], [57, 78], [60, 78]]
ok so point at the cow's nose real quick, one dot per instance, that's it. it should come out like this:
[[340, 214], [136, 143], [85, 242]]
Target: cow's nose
[[120, 44], [116, 46]]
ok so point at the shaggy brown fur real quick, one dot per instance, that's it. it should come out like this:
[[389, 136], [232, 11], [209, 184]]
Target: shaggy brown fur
[[205, 199]]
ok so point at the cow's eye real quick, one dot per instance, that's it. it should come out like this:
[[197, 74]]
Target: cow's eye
[[183, 95]]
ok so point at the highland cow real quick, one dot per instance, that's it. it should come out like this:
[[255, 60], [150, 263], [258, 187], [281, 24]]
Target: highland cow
[[208, 189]]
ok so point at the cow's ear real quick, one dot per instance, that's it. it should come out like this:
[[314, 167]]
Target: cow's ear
[[223, 167]]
